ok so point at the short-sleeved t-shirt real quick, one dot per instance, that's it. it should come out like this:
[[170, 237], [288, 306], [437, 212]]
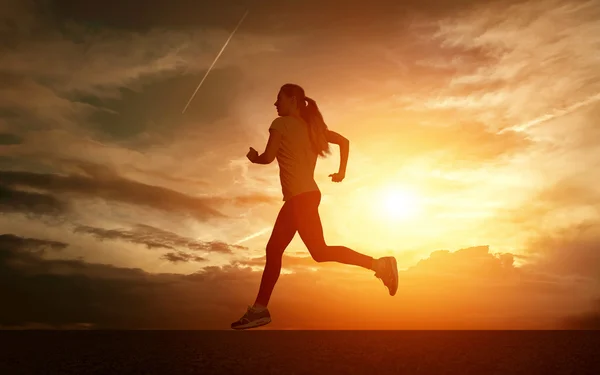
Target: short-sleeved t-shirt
[[295, 157]]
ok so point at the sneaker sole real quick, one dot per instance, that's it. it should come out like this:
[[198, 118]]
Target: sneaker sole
[[254, 324], [395, 278]]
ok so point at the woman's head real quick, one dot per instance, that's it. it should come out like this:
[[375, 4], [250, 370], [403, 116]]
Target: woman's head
[[292, 101]]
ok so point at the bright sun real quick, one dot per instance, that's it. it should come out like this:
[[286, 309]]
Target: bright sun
[[399, 203]]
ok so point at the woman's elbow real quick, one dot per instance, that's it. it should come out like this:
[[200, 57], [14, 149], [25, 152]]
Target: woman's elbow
[[269, 158]]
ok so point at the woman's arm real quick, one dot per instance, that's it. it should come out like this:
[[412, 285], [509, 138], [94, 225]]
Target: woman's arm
[[338, 139], [270, 151]]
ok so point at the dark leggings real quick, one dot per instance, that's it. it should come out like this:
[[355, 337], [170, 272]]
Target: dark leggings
[[301, 214]]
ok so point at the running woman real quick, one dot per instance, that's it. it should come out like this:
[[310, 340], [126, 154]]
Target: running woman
[[298, 136]]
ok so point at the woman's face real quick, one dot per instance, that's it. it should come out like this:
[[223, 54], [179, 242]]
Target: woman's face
[[285, 105]]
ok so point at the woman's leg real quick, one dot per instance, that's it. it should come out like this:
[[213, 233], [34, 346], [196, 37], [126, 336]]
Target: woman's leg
[[283, 233], [310, 229]]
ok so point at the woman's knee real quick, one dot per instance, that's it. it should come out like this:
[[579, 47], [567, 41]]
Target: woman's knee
[[319, 253]]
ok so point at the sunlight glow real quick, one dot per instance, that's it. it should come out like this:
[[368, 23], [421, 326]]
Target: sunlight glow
[[397, 203]]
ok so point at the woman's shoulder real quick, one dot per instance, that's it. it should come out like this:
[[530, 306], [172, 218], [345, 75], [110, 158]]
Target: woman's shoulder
[[280, 123], [283, 121], [285, 118]]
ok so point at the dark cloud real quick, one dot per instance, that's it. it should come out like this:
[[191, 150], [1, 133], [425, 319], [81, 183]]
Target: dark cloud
[[572, 247], [165, 175], [49, 194], [30, 203], [157, 238], [574, 250], [147, 110], [181, 256], [100, 181], [152, 240], [10, 139], [112, 84], [109, 186], [62, 293], [17, 16], [288, 261], [265, 16], [586, 321], [33, 105], [32, 244]]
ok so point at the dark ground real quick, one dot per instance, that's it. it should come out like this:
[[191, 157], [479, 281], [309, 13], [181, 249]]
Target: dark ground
[[299, 352]]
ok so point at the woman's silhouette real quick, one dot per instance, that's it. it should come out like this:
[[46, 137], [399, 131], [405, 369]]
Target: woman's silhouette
[[297, 137]]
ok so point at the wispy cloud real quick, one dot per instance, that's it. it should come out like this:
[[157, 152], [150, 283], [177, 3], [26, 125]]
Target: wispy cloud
[[183, 257], [34, 102], [158, 238], [18, 243], [555, 114], [520, 87]]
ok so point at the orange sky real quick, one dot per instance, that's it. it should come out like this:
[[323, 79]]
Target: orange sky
[[472, 125]]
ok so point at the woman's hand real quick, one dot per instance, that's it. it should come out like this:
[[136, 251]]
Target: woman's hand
[[337, 177], [252, 154]]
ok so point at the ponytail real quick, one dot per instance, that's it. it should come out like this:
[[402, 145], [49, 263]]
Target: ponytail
[[317, 129]]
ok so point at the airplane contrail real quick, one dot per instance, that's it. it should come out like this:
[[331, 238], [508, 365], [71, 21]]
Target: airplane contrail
[[551, 116], [253, 235], [215, 61]]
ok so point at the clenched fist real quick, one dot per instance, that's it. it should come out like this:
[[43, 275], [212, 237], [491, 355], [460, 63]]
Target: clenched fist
[[252, 154], [337, 177]]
